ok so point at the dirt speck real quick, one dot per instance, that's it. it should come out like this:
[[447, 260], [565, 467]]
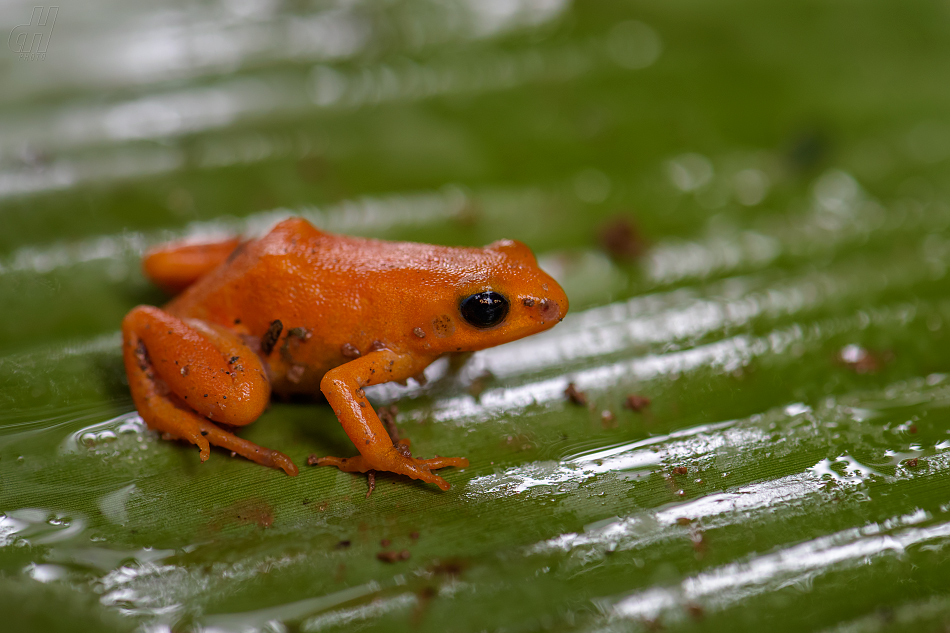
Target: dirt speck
[[636, 403], [861, 360], [269, 340], [680, 470], [449, 567], [621, 238], [246, 511], [403, 447], [698, 539], [371, 482], [576, 397], [392, 556], [912, 463]]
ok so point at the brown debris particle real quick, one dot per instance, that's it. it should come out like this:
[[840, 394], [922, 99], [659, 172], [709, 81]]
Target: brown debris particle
[[385, 542], [269, 340], [621, 239], [912, 429], [249, 511], [636, 403], [349, 351], [419, 332], [680, 470], [423, 597], [295, 336], [698, 539], [695, 611], [313, 459], [254, 511], [141, 355], [861, 360], [343, 544], [912, 463], [371, 480], [607, 418], [528, 302], [414, 536], [451, 567], [576, 397], [393, 557]]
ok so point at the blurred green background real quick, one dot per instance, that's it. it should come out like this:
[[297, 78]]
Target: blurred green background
[[746, 202]]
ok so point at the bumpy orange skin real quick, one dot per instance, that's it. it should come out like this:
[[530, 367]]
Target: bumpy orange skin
[[300, 310]]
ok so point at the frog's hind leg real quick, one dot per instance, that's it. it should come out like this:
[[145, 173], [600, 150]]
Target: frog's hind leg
[[185, 375], [174, 267]]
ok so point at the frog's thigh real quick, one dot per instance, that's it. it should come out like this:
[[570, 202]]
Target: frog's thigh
[[174, 267], [183, 373]]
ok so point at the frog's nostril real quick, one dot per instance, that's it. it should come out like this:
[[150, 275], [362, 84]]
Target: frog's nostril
[[549, 310]]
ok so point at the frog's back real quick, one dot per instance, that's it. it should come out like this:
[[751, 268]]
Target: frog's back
[[301, 275], [262, 279]]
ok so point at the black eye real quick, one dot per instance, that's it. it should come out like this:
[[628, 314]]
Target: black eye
[[484, 309]]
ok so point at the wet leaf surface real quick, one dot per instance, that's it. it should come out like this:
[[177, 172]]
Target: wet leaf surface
[[746, 204]]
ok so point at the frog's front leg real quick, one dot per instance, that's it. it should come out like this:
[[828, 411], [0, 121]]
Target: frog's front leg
[[343, 388], [185, 374]]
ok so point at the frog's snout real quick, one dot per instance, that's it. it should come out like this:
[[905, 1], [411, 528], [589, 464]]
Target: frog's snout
[[551, 308]]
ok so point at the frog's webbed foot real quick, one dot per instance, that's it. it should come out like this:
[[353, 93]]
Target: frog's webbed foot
[[229, 441], [399, 461]]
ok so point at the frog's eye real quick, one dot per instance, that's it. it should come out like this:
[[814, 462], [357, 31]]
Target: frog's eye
[[485, 309]]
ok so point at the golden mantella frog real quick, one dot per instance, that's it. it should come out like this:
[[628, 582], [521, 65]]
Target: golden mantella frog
[[300, 310]]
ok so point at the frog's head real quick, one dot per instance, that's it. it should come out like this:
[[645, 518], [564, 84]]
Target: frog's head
[[499, 295]]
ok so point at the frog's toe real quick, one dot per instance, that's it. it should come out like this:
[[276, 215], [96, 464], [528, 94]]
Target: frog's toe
[[445, 462], [346, 464], [204, 449], [424, 468], [435, 479], [398, 462]]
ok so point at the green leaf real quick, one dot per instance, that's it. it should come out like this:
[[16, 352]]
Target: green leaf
[[746, 204]]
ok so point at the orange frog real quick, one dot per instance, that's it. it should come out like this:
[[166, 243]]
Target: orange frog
[[300, 310]]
